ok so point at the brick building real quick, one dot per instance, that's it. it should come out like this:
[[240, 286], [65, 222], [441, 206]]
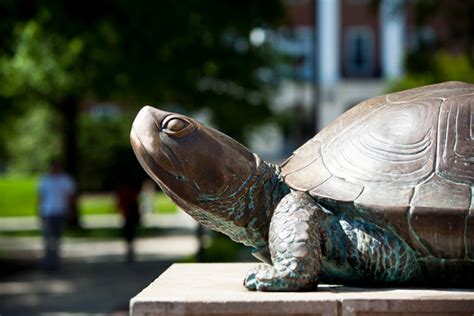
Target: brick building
[[359, 47]]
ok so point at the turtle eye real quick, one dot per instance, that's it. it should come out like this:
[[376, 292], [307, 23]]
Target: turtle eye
[[176, 126]]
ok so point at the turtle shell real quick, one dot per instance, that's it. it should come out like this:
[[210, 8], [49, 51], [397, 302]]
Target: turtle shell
[[405, 160]]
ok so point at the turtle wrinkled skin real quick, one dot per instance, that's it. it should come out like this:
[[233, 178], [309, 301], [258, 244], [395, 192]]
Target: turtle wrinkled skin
[[382, 195]]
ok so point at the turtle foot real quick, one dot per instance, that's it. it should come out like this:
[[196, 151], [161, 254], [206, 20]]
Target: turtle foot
[[266, 278]]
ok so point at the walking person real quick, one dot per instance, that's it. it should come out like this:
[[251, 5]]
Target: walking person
[[127, 203], [56, 193]]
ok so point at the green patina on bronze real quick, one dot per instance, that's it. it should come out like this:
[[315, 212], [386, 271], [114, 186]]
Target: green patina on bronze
[[382, 195], [244, 215]]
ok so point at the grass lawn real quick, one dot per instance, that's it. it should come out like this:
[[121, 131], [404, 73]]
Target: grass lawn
[[18, 198], [97, 204], [163, 204], [105, 203]]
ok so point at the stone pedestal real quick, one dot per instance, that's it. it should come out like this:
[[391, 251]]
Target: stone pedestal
[[216, 289]]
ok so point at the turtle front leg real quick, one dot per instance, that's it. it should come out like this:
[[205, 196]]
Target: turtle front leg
[[294, 246]]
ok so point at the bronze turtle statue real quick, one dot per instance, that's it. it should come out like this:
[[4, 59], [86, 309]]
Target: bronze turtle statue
[[383, 194]]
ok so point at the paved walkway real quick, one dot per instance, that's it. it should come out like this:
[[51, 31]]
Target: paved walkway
[[97, 250], [94, 278], [178, 220], [92, 288]]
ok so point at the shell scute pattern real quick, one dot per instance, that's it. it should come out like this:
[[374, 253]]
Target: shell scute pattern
[[456, 139], [400, 158], [394, 144]]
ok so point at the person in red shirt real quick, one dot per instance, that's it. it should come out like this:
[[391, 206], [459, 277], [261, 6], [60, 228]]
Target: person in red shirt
[[127, 204]]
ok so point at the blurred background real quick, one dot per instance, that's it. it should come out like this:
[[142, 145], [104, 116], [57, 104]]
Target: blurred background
[[268, 73]]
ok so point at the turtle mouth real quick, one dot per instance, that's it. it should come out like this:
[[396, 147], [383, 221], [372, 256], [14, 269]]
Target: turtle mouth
[[159, 174], [146, 125], [148, 161]]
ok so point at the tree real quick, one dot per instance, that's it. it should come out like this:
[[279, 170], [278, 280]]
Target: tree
[[39, 72], [187, 54], [190, 53], [456, 18], [439, 67]]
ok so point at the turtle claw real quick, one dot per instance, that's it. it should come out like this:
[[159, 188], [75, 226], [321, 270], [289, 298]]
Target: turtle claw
[[250, 282], [264, 278]]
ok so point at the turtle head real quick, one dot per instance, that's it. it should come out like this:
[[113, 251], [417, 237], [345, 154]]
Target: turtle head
[[192, 163]]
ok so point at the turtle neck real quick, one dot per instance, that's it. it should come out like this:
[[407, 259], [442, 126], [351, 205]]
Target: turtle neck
[[245, 214]]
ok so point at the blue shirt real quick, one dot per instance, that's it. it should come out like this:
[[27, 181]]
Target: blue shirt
[[55, 191]]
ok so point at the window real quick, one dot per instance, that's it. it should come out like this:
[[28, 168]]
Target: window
[[359, 54]]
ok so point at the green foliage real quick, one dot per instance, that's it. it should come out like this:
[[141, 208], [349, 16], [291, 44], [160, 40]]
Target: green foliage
[[177, 55], [437, 68], [160, 52], [35, 140], [41, 67], [105, 156]]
